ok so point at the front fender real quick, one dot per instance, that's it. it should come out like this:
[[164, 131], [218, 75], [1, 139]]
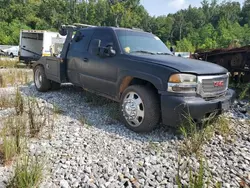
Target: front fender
[[156, 81]]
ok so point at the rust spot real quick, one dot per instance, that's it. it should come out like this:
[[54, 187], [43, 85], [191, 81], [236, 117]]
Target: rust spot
[[125, 83]]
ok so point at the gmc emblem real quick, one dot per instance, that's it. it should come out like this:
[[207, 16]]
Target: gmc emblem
[[218, 83]]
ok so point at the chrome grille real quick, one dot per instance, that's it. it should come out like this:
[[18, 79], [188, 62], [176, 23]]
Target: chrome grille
[[207, 85]]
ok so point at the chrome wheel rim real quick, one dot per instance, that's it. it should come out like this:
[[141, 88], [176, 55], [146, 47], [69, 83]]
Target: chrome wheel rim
[[38, 78], [133, 109]]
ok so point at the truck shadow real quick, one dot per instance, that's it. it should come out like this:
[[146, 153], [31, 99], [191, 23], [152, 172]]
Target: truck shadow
[[97, 112]]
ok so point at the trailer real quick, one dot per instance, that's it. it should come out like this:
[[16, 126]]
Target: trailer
[[235, 60], [37, 43]]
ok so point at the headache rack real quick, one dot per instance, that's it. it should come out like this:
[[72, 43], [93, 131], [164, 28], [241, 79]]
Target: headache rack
[[69, 30], [75, 26]]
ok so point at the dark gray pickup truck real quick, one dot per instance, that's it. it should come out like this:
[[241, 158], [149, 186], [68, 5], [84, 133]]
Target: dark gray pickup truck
[[136, 69]]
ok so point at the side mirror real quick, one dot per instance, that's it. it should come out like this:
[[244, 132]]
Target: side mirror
[[95, 46], [108, 51]]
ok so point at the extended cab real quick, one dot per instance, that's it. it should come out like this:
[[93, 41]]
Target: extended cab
[[136, 69]]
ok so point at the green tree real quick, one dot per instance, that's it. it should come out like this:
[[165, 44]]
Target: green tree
[[184, 46]]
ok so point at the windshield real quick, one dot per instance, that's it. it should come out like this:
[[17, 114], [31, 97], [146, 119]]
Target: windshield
[[140, 42]]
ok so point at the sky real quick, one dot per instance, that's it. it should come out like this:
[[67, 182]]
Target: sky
[[164, 7]]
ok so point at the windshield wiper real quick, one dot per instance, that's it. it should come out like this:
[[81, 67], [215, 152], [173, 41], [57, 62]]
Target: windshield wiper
[[163, 53], [144, 52]]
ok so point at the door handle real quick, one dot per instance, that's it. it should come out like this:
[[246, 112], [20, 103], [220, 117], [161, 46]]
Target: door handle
[[85, 59]]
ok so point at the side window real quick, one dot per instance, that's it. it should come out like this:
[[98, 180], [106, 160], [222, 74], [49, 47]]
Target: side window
[[80, 40], [105, 36]]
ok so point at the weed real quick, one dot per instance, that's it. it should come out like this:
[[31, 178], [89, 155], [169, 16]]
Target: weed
[[35, 113], [222, 127], [15, 77], [195, 136], [154, 146], [245, 92], [85, 122], [82, 120], [16, 127], [197, 178], [57, 109], [51, 122], [95, 100], [12, 133], [6, 101], [8, 148], [19, 106], [1, 81], [243, 89], [88, 124], [8, 63], [113, 111], [28, 173]]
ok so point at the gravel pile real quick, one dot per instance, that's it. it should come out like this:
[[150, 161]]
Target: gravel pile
[[103, 153]]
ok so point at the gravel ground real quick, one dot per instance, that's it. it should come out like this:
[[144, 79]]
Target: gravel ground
[[103, 153]]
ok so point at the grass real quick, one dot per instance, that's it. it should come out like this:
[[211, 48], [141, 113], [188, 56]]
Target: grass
[[57, 109], [6, 101], [242, 89], [154, 146], [8, 149], [82, 120], [195, 136], [8, 63], [28, 173], [27, 121], [245, 93], [19, 103], [197, 179], [223, 128], [37, 117], [94, 99], [113, 111], [15, 76], [12, 134], [85, 122]]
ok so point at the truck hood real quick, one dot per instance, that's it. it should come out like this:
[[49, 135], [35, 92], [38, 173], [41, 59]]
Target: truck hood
[[184, 65]]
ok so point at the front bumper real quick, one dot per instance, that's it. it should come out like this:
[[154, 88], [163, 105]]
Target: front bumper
[[175, 108]]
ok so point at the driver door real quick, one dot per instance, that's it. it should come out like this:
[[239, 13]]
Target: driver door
[[101, 73]]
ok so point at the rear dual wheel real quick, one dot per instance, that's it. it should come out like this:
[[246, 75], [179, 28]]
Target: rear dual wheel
[[41, 82]]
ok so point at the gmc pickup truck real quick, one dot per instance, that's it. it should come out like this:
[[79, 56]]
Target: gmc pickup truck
[[136, 69]]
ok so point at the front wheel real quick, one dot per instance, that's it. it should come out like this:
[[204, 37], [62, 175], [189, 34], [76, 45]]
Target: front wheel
[[140, 108], [41, 82]]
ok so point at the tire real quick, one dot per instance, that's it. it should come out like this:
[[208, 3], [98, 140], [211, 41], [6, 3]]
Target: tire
[[11, 55], [141, 104], [41, 82], [55, 85]]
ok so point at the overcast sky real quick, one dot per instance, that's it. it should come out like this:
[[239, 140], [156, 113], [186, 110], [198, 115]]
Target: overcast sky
[[164, 7]]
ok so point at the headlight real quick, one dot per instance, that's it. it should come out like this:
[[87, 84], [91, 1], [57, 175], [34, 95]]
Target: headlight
[[182, 83]]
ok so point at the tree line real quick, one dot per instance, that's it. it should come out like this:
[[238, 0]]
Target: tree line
[[212, 25]]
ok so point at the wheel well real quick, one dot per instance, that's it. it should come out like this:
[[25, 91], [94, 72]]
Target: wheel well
[[129, 80], [37, 65]]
